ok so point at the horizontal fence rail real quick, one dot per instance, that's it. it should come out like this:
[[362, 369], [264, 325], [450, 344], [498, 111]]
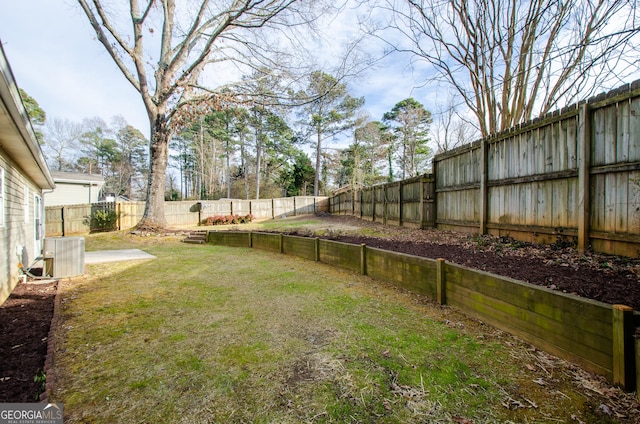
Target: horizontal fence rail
[[77, 219], [595, 335]]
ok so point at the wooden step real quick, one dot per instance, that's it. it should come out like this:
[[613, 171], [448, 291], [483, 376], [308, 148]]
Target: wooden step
[[192, 241], [196, 237]]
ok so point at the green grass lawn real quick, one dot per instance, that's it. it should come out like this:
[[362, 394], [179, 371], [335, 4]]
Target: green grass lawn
[[215, 334]]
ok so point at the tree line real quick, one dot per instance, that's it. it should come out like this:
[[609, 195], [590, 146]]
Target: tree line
[[259, 150]]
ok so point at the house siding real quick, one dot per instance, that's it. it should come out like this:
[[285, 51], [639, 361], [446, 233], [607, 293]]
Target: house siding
[[19, 227], [73, 194]]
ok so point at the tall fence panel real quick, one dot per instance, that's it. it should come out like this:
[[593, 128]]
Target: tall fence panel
[[130, 214], [615, 176], [575, 173], [67, 220], [457, 186]]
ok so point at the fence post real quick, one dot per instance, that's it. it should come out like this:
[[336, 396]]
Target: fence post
[[384, 204], [363, 259], [281, 243], [623, 347], [250, 239], [484, 159], [353, 203], [584, 165], [119, 213], [638, 368], [373, 204], [317, 249], [400, 204], [441, 294], [62, 217]]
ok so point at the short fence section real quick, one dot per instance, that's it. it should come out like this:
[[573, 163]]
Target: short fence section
[[80, 219], [595, 335], [407, 203]]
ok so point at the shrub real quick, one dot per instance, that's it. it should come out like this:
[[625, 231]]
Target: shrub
[[104, 220], [227, 219]]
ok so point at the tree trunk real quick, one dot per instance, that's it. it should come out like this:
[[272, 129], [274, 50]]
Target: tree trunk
[[153, 218], [258, 159], [316, 182]]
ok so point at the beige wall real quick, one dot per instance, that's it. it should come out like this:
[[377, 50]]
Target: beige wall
[[73, 194]]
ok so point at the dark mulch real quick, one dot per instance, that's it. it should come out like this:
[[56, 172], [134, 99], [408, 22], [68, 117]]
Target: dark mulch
[[606, 278], [25, 319], [609, 286]]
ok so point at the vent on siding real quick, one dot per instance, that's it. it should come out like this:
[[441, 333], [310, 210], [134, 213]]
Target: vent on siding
[[64, 256]]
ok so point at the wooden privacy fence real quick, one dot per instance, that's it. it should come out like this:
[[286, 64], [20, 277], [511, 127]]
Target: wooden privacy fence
[[593, 334], [573, 173], [406, 203], [76, 219]]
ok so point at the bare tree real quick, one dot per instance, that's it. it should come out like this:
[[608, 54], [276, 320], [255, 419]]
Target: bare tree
[[452, 130], [61, 143], [170, 46], [512, 59]]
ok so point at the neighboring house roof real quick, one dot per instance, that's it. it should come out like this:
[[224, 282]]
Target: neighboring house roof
[[76, 178], [17, 137]]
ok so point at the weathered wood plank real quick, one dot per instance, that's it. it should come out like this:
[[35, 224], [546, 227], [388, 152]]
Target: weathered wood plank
[[621, 224], [599, 130], [609, 202], [584, 313], [572, 142], [342, 255], [610, 140], [622, 131], [591, 358], [302, 247], [266, 241], [560, 333], [228, 238], [634, 200], [413, 273], [598, 203], [634, 130], [549, 147], [623, 347]]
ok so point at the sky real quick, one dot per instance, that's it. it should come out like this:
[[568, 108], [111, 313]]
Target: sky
[[57, 60]]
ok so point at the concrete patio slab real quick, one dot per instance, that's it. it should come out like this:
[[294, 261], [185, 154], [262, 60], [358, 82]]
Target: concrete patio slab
[[103, 256]]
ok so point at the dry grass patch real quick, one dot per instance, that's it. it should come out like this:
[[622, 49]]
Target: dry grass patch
[[214, 334]]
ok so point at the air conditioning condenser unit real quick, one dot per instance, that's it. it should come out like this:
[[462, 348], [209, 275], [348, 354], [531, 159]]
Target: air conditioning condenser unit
[[64, 256]]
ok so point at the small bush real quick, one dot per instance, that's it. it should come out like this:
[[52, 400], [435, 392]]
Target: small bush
[[103, 220], [227, 219]]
